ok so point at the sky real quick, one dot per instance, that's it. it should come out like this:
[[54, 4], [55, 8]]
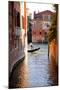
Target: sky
[[37, 7]]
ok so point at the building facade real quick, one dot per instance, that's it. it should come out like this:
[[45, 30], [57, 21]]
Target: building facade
[[41, 24], [16, 47]]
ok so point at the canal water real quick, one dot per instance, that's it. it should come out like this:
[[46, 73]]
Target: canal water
[[35, 70]]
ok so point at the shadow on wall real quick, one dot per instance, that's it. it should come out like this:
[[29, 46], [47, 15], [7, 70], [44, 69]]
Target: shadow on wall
[[53, 58]]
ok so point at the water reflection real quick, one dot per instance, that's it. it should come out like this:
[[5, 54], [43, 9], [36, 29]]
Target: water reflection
[[20, 76], [53, 72], [35, 70]]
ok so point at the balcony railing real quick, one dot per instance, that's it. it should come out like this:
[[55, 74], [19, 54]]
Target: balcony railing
[[18, 31]]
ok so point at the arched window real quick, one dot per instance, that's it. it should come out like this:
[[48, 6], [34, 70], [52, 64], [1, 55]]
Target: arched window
[[40, 33], [17, 19]]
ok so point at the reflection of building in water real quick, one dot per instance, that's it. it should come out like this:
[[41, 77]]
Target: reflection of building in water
[[19, 78], [23, 75], [40, 26]]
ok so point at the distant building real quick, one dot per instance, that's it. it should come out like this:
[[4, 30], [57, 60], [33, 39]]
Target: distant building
[[40, 26], [16, 48]]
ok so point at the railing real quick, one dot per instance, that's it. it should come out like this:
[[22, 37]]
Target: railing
[[18, 31]]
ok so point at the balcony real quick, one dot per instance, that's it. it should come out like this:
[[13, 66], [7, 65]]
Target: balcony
[[18, 31]]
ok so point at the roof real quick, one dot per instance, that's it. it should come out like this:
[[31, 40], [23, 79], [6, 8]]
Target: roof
[[43, 12]]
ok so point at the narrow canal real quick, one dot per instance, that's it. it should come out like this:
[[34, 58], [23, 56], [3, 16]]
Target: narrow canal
[[35, 70]]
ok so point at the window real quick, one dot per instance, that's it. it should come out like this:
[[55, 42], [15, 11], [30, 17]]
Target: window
[[47, 17], [40, 16], [17, 19], [40, 33], [47, 25]]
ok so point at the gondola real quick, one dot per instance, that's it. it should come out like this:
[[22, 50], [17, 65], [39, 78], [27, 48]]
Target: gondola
[[32, 50]]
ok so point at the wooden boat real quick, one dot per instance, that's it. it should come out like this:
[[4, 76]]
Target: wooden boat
[[32, 50]]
